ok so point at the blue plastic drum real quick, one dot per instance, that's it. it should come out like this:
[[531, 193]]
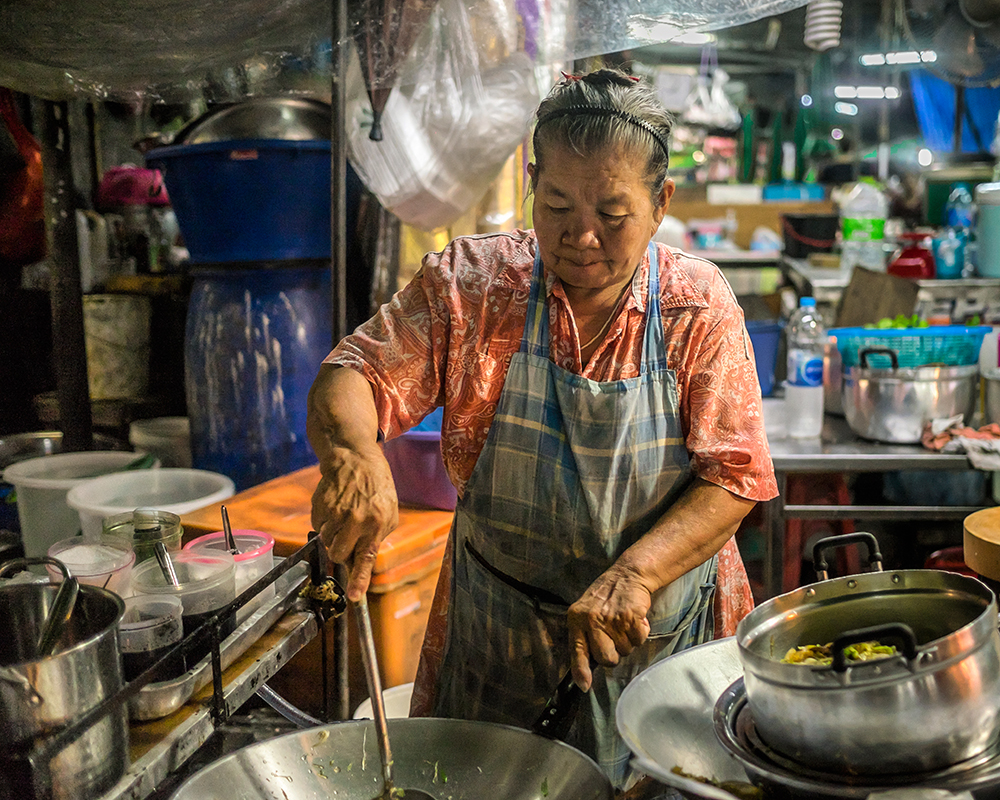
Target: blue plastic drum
[[254, 342]]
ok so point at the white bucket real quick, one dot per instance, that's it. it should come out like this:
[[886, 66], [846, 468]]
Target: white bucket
[[396, 700], [116, 331], [176, 490], [42, 485], [168, 438]]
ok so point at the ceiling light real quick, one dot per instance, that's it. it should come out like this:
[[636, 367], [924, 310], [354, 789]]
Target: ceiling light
[[849, 109], [928, 56], [836, 134], [807, 100], [924, 157], [866, 92], [870, 93], [872, 60], [897, 57], [903, 57], [845, 92]]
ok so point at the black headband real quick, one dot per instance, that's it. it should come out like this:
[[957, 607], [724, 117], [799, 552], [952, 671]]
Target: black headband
[[606, 111]]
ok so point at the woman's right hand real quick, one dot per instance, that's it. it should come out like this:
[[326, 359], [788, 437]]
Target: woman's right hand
[[353, 509], [354, 506]]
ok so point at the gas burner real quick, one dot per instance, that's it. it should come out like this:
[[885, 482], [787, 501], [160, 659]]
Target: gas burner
[[782, 777]]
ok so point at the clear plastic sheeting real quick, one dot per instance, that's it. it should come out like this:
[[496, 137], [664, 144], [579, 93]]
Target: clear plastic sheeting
[[129, 50]]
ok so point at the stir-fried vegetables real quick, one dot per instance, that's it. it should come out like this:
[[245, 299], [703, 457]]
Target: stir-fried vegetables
[[822, 654]]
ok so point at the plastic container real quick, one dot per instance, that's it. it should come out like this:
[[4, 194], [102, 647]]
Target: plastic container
[[959, 209], [988, 229], [253, 343], [396, 701], [418, 470], [35, 444], [168, 489], [152, 624], [42, 486], [862, 223], [809, 233], [804, 389], [106, 562], [765, 336], [949, 254], [249, 199], [144, 527], [168, 438], [116, 332], [255, 559], [206, 583]]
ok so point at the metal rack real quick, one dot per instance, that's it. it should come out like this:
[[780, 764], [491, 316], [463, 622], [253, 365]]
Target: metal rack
[[172, 742]]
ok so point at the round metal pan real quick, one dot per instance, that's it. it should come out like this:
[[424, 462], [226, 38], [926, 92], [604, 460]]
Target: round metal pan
[[665, 716], [448, 759]]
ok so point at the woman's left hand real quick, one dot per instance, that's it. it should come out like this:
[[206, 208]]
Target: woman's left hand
[[607, 622]]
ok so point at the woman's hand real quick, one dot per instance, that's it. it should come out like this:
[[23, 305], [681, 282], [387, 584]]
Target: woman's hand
[[607, 622], [353, 509]]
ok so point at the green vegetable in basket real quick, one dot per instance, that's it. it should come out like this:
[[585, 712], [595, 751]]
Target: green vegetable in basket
[[900, 321]]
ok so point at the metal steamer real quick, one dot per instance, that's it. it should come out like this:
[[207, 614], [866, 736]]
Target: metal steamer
[[927, 717]]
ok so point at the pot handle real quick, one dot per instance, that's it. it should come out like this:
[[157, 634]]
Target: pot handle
[[834, 542], [21, 563], [894, 632], [878, 351]]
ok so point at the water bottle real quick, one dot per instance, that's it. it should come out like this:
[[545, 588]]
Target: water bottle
[[959, 210], [804, 387], [863, 213]]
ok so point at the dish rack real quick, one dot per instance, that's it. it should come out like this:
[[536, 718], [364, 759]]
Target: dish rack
[[945, 345]]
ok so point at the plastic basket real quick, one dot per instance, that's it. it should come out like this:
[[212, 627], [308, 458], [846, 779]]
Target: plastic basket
[[948, 345]]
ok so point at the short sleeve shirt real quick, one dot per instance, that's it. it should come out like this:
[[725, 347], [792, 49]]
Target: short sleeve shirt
[[447, 339]]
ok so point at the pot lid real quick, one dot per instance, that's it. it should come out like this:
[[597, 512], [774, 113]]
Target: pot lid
[[288, 118]]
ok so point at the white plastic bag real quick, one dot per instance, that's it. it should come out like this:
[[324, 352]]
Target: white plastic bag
[[707, 105]]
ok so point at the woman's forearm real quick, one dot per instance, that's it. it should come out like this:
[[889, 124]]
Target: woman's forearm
[[692, 530], [340, 412]]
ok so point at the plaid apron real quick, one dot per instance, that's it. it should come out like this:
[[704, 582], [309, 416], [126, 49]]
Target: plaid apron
[[573, 472]]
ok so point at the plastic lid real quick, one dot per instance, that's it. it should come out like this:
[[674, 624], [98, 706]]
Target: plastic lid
[[807, 302], [988, 194]]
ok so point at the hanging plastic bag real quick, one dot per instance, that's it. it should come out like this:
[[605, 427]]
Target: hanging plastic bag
[[451, 124], [707, 105]]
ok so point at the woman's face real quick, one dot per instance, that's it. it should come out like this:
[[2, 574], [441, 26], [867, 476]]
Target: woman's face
[[593, 216]]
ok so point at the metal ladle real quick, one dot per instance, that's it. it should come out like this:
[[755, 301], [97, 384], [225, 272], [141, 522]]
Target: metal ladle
[[378, 705]]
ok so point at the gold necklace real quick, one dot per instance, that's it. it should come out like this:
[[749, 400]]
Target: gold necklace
[[607, 324]]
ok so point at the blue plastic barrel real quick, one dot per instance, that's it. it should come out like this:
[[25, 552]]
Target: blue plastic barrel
[[254, 342]]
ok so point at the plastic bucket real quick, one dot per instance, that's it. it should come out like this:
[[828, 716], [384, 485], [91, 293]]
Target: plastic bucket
[[418, 471], [809, 233], [116, 331], [169, 489], [765, 336], [249, 199], [42, 485], [167, 438]]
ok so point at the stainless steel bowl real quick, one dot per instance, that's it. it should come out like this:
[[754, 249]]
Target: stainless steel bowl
[[894, 404], [289, 118]]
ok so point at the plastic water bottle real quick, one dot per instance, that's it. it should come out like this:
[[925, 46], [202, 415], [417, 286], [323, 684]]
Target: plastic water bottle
[[960, 210], [863, 213], [804, 388]]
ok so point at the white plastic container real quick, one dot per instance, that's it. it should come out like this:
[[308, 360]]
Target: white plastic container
[[988, 229], [106, 562], [255, 559], [42, 485], [863, 213], [804, 387], [168, 438], [116, 330], [396, 701], [169, 489]]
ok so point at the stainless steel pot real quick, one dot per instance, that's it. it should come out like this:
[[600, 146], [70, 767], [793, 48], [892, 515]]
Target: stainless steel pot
[[894, 404], [446, 758], [935, 704], [38, 696]]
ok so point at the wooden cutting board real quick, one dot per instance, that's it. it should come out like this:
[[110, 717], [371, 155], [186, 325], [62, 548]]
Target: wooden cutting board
[[982, 542]]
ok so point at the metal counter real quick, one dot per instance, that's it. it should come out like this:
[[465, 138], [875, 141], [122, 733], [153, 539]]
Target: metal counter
[[838, 449]]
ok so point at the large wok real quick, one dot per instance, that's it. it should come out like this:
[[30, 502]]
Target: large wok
[[448, 759]]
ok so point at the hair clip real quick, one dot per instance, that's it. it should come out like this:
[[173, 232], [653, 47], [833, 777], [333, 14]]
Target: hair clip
[[568, 77], [634, 78]]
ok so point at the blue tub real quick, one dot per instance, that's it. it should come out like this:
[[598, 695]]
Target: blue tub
[[251, 199], [765, 335]]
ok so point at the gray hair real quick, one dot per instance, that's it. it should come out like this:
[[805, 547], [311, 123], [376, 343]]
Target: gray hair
[[606, 108]]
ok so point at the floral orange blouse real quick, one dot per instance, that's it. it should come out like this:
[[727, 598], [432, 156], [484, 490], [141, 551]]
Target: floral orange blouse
[[448, 337]]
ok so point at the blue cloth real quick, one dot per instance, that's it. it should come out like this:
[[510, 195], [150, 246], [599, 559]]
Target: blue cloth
[[934, 101]]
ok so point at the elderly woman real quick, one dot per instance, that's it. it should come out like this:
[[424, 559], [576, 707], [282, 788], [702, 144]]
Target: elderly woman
[[602, 422]]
